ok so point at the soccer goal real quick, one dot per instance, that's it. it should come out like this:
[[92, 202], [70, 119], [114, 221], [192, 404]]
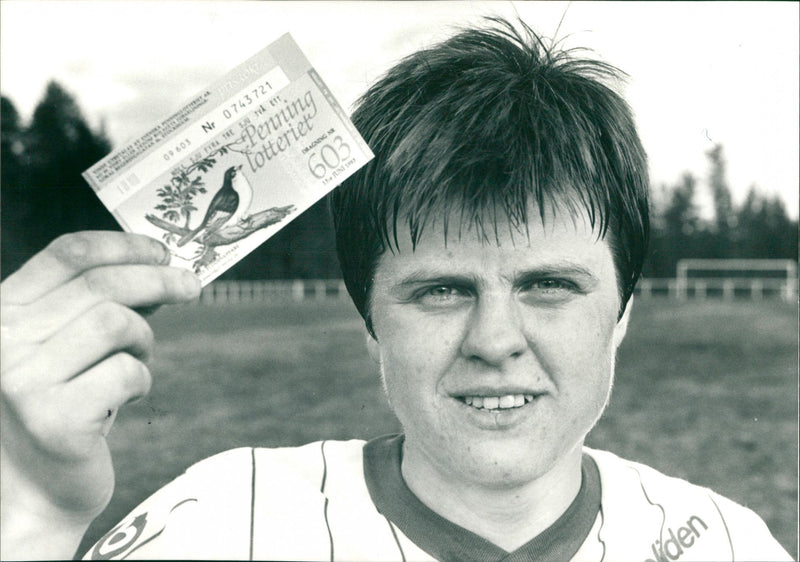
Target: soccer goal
[[736, 278]]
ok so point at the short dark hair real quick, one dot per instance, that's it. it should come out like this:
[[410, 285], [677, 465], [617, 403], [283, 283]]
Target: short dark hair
[[488, 122]]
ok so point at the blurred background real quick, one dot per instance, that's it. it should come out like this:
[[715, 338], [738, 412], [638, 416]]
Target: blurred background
[[273, 354]]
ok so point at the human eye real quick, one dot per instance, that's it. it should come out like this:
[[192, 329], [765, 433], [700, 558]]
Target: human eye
[[550, 289], [441, 295], [552, 285]]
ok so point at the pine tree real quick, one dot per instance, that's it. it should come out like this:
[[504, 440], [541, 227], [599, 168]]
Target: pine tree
[[49, 197], [724, 216]]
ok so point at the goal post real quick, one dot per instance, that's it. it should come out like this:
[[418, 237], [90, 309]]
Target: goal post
[[728, 277]]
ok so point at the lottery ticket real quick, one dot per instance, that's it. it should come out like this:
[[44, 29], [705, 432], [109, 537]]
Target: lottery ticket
[[235, 164]]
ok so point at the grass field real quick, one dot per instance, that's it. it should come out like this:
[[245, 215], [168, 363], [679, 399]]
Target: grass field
[[704, 391]]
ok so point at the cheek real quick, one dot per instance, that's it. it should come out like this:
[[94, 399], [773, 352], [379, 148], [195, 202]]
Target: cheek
[[409, 364], [577, 351], [580, 364], [410, 341], [413, 359], [409, 388]]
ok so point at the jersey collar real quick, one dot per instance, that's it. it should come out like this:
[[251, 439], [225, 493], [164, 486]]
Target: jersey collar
[[445, 540]]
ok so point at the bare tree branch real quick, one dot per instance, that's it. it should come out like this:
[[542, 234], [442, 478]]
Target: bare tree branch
[[231, 233], [235, 232]]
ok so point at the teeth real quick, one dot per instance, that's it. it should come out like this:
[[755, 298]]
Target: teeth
[[506, 401], [498, 402]]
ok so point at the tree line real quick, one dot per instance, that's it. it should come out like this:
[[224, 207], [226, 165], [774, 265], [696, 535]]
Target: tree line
[[44, 195], [758, 228]]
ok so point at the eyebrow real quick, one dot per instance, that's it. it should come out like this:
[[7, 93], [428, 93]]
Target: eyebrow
[[585, 278], [436, 278], [519, 277]]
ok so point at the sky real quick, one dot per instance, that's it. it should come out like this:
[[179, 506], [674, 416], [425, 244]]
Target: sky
[[700, 73]]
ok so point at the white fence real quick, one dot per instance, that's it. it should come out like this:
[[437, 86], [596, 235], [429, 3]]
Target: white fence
[[297, 290], [721, 288], [280, 291]]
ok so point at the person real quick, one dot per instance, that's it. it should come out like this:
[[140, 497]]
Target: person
[[492, 247]]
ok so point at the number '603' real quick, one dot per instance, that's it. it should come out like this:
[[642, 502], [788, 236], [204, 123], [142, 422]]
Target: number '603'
[[328, 157]]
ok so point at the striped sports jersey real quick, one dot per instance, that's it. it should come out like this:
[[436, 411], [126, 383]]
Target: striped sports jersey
[[346, 500]]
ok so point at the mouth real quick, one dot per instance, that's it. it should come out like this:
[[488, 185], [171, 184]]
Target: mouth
[[497, 403]]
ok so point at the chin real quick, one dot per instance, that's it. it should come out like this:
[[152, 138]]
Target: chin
[[508, 465]]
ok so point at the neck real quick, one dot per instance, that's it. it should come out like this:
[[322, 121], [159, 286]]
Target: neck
[[508, 516]]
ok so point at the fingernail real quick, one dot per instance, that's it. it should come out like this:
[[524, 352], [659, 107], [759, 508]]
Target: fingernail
[[167, 255], [191, 284]]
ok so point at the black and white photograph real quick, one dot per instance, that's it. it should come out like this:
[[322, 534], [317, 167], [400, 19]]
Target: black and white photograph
[[413, 281]]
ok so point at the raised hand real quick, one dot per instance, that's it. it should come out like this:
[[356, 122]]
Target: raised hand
[[73, 352]]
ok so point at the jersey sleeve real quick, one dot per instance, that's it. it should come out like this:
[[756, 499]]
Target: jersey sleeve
[[174, 522], [750, 537], [647, 515]]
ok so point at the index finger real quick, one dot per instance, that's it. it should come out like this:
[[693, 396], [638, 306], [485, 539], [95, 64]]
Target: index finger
[[71, 254]]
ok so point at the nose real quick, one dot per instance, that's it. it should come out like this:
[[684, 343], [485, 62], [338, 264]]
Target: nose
[[495, 331]]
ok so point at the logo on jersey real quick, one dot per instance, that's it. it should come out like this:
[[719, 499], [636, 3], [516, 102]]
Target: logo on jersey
[[125, 536], [119, 538], [679, 541]]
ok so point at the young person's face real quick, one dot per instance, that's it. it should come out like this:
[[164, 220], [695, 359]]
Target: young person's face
[[497, 356]]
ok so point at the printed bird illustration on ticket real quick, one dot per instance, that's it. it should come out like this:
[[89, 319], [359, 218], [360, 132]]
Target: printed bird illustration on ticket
[[235, 163]]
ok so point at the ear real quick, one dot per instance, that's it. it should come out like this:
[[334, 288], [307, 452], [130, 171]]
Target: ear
[[622, 324], [373, 348]]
